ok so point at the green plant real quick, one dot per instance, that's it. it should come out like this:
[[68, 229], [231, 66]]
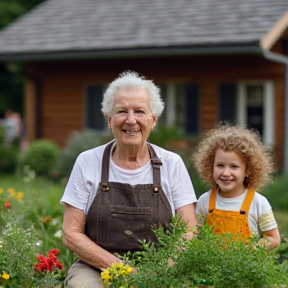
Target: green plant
[[26, 232], [206, 259], [277, 187], [40, 157], [230, 263], [161, 136], [18, 249], [79, 142], [8, 159], [44, 216], [2, 135]]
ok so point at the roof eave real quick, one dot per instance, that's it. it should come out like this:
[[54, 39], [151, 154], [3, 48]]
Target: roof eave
[[277, 31], [131, 53]]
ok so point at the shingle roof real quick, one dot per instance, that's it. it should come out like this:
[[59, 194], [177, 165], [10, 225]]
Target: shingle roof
[[85, 25]]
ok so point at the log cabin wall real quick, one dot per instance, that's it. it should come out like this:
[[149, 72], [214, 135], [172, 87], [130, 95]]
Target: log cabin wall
[[62, 86]]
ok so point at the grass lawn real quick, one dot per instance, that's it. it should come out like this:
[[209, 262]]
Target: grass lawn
[[40, 190], [282, 220]]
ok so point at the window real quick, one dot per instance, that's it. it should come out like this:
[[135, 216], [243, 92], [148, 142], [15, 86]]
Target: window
[[181, 107], [251, 104], [255, 105], [93, 117]]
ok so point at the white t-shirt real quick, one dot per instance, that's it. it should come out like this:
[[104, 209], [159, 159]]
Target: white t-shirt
[[85, 177], [260, 217]]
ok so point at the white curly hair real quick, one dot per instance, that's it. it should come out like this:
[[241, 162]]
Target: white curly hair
[[131, 79]]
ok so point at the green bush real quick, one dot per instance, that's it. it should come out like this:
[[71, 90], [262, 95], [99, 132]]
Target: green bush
[[8, 159], [79, 142], [161, 136], [207, 259], [276, 193], [40, 157], [2, 135]]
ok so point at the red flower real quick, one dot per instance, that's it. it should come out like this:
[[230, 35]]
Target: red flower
[[48, 263], [7, 205]]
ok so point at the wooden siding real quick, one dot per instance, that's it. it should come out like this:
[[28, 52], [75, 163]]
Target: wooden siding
[[29, 107], [62, 86]]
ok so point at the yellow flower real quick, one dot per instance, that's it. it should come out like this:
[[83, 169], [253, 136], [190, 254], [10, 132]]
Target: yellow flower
[[11, 191], [116, 272], [105, 275], [1, 191], [5, 276], [19, 195]]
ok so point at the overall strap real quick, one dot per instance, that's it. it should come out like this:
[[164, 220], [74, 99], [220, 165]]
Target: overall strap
[[212, 200], [247, 201], [105, 166], [155, 161], [245, 205]]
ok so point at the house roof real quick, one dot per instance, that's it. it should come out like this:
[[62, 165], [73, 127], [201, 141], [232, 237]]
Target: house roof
[[87, 28]]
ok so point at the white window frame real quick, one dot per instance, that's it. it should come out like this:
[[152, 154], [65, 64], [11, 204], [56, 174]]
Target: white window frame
[[170, 105], [269, 109]]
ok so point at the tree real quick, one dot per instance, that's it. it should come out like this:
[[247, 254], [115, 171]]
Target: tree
[[11, 73]]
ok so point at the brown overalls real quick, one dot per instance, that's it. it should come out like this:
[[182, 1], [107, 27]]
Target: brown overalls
[[235, 222], [122, 214]]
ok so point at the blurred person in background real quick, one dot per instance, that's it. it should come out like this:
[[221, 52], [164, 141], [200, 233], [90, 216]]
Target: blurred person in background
[[11, 126]]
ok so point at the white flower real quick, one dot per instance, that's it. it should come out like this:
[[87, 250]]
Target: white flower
[[59, 234]]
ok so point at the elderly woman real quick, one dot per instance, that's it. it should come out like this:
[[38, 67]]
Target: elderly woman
[[117, 191]]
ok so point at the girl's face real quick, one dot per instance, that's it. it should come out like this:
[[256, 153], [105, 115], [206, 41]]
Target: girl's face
[[132, 119], [229, 172]]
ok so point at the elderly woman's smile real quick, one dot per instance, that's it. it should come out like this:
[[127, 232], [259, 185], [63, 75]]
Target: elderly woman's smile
[[132, 116], [131, 132]]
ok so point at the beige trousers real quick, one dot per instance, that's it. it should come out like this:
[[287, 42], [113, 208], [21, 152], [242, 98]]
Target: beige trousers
[[81, 275]]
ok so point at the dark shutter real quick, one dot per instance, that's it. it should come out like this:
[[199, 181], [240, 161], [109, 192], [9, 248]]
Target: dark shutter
[[93, 116], [192, 107], [227, 104]]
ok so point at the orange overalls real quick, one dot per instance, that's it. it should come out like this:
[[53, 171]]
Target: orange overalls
[[234, 222]]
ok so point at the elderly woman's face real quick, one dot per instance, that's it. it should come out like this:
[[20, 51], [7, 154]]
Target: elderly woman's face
[[132, 119]]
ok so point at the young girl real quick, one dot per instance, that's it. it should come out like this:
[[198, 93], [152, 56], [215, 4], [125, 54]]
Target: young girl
[[235, 162]]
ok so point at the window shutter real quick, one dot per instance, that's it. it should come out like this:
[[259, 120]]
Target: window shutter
[[93, 116], [192, 109], [227, 101]]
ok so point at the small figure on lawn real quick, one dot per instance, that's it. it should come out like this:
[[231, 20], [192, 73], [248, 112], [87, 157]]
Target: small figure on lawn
[[234, 161]]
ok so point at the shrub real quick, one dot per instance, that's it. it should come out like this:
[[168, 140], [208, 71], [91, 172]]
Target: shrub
[[206, 259], [40, 157], [225, 263], [2, 135], [161, 136], [277, 187], [8, 159], [78, 142]]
